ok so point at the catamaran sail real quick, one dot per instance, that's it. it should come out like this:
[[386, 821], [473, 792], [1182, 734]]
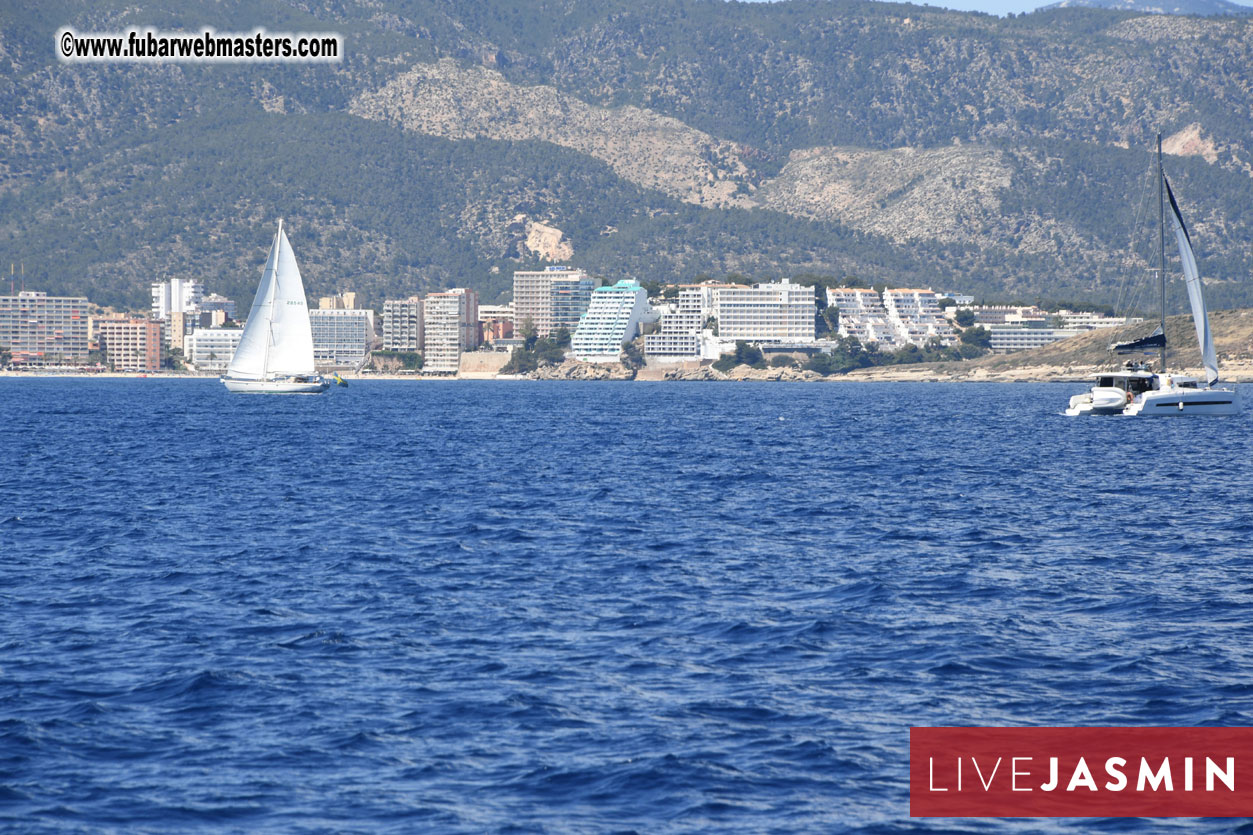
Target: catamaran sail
[[276, 350], [1192, 279]]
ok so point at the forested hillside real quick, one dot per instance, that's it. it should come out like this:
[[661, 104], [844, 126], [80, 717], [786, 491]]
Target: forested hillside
[[665, 139]]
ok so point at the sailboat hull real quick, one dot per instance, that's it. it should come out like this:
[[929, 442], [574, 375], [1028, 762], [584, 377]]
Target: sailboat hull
[[291, 385], [1173, 402]]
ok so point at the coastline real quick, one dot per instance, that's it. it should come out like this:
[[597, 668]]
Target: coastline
[[1234, 372]]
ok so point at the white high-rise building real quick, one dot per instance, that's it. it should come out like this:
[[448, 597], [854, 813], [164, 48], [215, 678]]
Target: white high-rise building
[[177, 295], [782, 312], [550, 299], [176, 302], [402, 325], [451, 325], [341, 338], [612, 318], [679, 337]]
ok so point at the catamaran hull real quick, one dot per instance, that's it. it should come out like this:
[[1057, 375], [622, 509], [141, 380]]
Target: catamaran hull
[[1176, 402], [315, 386], [1100, 401]]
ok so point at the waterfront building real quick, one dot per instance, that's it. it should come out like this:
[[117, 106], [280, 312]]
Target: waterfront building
[[209, 350], [131, 344], [1089, 320], [613, 317], [917, 317], [39, 330], [782, 312], [680, 334], [341, 336], [862, 316], [402, 325], [1005, 314], [1007, 339], [451, 327], [550, 299]]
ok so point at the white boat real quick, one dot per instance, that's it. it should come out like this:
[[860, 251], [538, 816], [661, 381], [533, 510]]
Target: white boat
[[275, 353], [1138, 390]]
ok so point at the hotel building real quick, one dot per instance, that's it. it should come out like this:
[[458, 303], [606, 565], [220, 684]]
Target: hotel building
[[341, 337], [917, 316], [782, 312], [402, 325], [679, 337], [612, 318], [862, 316], [131, 344], [551, 299], [210, 350], [41, 330]]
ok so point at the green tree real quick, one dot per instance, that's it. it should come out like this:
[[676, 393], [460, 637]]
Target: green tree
[[964, 318], [978, 336]]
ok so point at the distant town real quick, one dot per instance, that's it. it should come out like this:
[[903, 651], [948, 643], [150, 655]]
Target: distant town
[[558, 315]]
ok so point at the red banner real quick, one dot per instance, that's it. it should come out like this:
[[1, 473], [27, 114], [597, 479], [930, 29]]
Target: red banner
[[1081, 772]]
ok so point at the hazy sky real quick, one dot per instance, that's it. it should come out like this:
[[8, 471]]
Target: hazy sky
[[1003, 7]]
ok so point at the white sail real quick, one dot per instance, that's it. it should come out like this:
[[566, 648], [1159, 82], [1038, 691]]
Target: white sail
[[277, 339], [291, 338], [249, 360], [1192, 279]]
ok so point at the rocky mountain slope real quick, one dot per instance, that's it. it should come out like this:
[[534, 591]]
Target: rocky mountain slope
[[662, 139]]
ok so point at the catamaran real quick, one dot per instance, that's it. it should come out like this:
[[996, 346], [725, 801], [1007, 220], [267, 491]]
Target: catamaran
[[275, 353], [1137, 389]]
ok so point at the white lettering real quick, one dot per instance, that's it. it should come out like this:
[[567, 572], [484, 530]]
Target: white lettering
[[1015, 774], [1081, 777], [1161, 777], [931, 770], [987, 784], [1052, 783], [1228, 776], [1113, 767], [1187, 774]]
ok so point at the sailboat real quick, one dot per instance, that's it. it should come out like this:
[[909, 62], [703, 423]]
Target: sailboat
[[275, 353], [1138, 390]]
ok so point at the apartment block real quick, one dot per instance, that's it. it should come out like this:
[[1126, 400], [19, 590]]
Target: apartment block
[[678, 337], [612, 318], [782, 312], [41, 330], [341, 337], [862, 316], [551, 299], [131, 344], [402, 325], [451, 327], [210, 349]]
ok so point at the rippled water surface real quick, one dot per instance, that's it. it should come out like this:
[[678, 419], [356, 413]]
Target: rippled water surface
[[583, 607]]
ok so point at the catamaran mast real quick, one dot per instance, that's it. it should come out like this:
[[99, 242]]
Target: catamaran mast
[[1161, 246]]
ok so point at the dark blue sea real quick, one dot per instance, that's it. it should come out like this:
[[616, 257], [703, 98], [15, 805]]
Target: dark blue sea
[[586, 607]]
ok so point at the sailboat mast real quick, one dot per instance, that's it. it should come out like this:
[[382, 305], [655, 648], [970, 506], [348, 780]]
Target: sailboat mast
[[1161, 246]]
